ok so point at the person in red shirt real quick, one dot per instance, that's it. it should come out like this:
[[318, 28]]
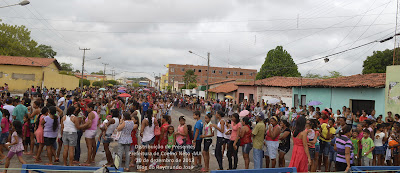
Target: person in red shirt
[[363, 117], [324, 117]]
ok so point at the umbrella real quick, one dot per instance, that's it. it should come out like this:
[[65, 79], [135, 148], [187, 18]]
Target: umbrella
[[314, 103], [146, 89], [124, 95], [140, 90], [121, 88], [98, 145], [110, 84], [121, 91], [273, 101], [244, 113], [102, 89], [229, 97]]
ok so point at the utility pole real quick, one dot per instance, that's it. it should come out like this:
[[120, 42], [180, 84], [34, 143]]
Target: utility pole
[[208, 73], [112, 74], [104, 72], [395, 32], [83, 63]]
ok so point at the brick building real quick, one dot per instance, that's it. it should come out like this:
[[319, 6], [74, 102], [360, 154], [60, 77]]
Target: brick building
[[176, 72]]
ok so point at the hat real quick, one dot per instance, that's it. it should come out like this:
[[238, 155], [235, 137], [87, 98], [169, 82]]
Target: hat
[[109, 116], [261, 115]]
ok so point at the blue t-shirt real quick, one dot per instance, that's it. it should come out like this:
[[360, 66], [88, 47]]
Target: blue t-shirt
[[198, 125], [69, 103], [145, 106], [282, 109]]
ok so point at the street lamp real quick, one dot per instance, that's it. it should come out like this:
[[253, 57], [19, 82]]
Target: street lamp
[[208, 68], [22, 3]]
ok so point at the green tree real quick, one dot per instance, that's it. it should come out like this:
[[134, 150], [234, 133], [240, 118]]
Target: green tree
[[16, 41], [377, 62], [278, 63], [85, 82], [46, 51], [98, 73], [97, 83], [114, 82], [332, 74], [189, 77], [66, 66]]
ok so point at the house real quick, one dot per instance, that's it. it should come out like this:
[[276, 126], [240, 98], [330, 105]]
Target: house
[[223, 90], [20, 73], [277, 87], [358, 92]]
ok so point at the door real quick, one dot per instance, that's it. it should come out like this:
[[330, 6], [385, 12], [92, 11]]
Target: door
[[251, 97], [303, 100], [241, 97], [359, 105]]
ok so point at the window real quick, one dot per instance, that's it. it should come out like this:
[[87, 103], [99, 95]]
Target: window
[[241, 97], [194, 70], [251, 74], [241, 73], [199, 70], [220, 72], [296, 100], [251, 97], [213, 71], [235, 73], [183, 69], [303, 100], [229, 72], [172, 69]]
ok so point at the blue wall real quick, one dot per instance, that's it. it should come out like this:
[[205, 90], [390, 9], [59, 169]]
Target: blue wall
[[336, 98]]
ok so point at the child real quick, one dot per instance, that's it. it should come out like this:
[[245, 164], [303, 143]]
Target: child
[[367, 147], [379, 150], [16, 144], [312, 139], [227, 136], [197, 132], [356, 144], [171, 143], [26, 134], [189, 145], [208, 134]]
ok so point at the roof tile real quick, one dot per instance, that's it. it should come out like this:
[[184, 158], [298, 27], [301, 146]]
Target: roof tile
[[27, 61], [224, 88]]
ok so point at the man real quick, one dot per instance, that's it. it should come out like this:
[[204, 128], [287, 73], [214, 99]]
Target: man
[[27, 100], [145, 107], [61, 101], [197, 132], [19, 111], [282, 109], [217, 106], [258, 141], [9, 106], [235, 108]]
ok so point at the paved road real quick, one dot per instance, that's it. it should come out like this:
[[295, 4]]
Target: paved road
[[101, 159]]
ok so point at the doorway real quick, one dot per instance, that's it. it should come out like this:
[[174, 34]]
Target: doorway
[[359, 105]]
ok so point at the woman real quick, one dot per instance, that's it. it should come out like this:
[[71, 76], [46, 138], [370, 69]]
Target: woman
[[234, 140], [39, 132], [79, 116], [126, 126], [165, 121], [90, 128], [284, 142], [109, 128], [148, 137], [344, 149], [50, 128], [220, 128], [300, 156], [245, 141], [69, 128], [272, 140], [32, 117]]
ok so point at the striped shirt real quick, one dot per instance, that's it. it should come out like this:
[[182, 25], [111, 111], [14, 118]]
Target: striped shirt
[[341, 143]]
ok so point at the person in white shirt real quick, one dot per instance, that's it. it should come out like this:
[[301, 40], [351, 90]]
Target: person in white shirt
[[9, 106], [61, 102]]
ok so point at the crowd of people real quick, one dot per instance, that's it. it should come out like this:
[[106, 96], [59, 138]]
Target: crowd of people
[[141, 124]]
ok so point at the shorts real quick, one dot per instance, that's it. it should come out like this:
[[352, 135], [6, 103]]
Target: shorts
[[90, 134], [226, 141], [379, 150], [317, 148], [151, 142], [207, 143], [4, 137], [189, 148], [49, 141], [312, 153], [70, 138], [246, 148], [11, 154], [178, 147], [271, 149], [284, 149], [324, 147], [27, 141], [197, 148], [107, 139], [332, 156], [32, 127], [341, 167]]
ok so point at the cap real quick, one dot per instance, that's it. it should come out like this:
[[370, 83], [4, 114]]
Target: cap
[[261, 115]]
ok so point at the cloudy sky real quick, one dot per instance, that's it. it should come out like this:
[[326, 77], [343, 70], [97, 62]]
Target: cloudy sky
[[145, 35]]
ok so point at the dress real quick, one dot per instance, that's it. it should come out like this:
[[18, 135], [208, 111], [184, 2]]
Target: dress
[[299, 157], [39, 132]]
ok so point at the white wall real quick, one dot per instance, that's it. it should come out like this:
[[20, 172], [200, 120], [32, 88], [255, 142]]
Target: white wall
[[267, 93], [202, 94]]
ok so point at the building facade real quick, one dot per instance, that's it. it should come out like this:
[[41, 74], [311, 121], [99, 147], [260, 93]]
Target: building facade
[[177, 71], [20, 73]]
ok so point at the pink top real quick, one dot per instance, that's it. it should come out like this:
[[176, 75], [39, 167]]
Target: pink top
[[179, 138], [235, 128], [6, 123], [94, 121]]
